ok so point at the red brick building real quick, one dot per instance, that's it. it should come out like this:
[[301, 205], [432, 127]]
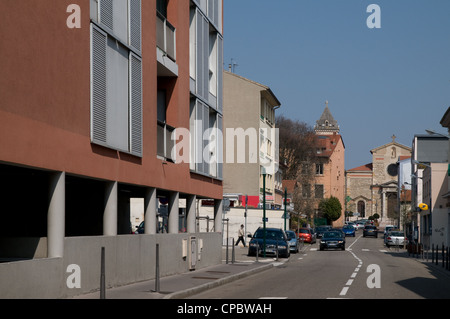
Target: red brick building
[[90, 95]]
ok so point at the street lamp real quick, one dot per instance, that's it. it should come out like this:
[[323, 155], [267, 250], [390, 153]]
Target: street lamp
[[264, 211]]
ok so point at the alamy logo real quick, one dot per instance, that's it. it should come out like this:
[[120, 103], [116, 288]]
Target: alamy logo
[[374, 20]]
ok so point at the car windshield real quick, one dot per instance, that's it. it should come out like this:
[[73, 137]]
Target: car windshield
[[396, 234], [322, 228], [370, 227], [270, 234], [304, 231], [290, 234], [332, 234], [347, 227]]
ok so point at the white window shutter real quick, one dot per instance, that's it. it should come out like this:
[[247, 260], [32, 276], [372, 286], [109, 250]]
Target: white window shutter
[[135, 105], [220, 74], [107, 13], [135, 24], [99, 100]]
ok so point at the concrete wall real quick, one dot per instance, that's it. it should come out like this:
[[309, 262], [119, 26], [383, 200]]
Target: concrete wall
[[128, 259]]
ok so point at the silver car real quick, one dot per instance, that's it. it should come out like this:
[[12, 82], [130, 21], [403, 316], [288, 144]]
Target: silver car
[[395, 238], [293, 241]]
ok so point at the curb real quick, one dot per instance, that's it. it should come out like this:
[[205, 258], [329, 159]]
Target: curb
[[195, 290]]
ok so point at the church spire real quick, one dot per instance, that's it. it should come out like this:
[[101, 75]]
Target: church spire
[[326, 125]]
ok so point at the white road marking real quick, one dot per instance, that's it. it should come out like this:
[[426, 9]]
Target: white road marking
[[349, 282], [343, 291]]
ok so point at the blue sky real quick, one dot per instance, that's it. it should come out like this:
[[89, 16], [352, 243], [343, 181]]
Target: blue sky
[[379, 82]]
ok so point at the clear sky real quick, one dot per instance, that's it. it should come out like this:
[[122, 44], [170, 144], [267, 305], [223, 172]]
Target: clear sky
[[379, 82]]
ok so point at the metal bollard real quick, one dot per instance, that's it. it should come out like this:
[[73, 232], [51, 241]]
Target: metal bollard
[[257, 252], [277, 250], [102, 275], [157, 277], [443, 255], [232, 252], [432, 253], [226, 252]]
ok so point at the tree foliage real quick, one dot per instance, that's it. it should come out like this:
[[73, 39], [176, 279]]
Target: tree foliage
[[297, 145], [330, 208]]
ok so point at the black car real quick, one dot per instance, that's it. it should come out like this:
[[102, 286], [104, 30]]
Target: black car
[[275, 239], [321, 229], [370, 230], [332, 239]]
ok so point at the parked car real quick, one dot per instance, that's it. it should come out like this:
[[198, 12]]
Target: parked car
[[320, 230], [359, 224], [307, 235], [349, 230], [274, 237], [332, 239], [351, 224], [370, 230], [387, 229], [293, 241], [395, 238]]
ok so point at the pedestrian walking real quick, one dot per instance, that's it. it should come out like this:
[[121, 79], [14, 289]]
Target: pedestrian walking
[[241, 235]]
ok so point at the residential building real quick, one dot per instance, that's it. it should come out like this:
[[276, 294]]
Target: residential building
[[330, 165], [251, 147], [428, 152], [86, 124]]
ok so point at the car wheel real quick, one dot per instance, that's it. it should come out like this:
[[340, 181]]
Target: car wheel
[[343, 247]]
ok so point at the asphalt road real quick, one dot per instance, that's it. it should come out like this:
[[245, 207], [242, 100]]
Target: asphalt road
[[365, 270]]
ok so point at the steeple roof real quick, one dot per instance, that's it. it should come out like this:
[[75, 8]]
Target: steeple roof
[[326, 124]]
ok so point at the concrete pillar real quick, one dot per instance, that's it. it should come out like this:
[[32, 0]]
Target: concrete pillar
[[110, 213], [173, 212], [383, 204], [218, 215], [56, 217], [150, 211], [191, 212]]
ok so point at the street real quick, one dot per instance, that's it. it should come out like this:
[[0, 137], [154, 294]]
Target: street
[[365, 270]]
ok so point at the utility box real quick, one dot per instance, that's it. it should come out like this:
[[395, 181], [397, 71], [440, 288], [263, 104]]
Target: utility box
[[192, 252]]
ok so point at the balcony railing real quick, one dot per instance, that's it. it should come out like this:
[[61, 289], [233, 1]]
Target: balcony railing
[[165, 36]]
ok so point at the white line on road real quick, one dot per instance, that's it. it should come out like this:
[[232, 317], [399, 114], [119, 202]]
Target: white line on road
[[349, 282], [343, 291]]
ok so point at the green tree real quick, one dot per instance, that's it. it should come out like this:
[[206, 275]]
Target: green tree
[[330, 208]]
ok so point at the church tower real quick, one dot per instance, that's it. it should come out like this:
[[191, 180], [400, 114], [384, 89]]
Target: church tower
[[326, 125]]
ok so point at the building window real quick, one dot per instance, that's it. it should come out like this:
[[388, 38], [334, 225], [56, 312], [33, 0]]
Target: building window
[[116, 75], [318, 191], [206, 140], [319, 169], [206, 59], [165, 143], [306, 191]]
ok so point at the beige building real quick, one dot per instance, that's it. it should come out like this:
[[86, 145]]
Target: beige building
[[250, 142], [330, 167], [372, 188]]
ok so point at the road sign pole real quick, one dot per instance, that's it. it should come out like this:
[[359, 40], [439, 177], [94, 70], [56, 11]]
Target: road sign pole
[[264, 213]]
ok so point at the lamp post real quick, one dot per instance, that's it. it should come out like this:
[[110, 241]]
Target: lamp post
[[285, 209], [264, 211]]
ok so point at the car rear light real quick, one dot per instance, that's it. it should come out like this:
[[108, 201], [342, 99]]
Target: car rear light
[[389, 238]]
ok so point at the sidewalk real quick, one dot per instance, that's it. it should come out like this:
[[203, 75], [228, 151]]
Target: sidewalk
[[190, 283]]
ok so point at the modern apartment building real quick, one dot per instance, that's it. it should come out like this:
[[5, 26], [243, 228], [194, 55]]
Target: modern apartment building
[[250, 138], [103, 102]]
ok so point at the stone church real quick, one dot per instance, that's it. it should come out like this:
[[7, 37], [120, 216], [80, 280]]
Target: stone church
[[372, 188]]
